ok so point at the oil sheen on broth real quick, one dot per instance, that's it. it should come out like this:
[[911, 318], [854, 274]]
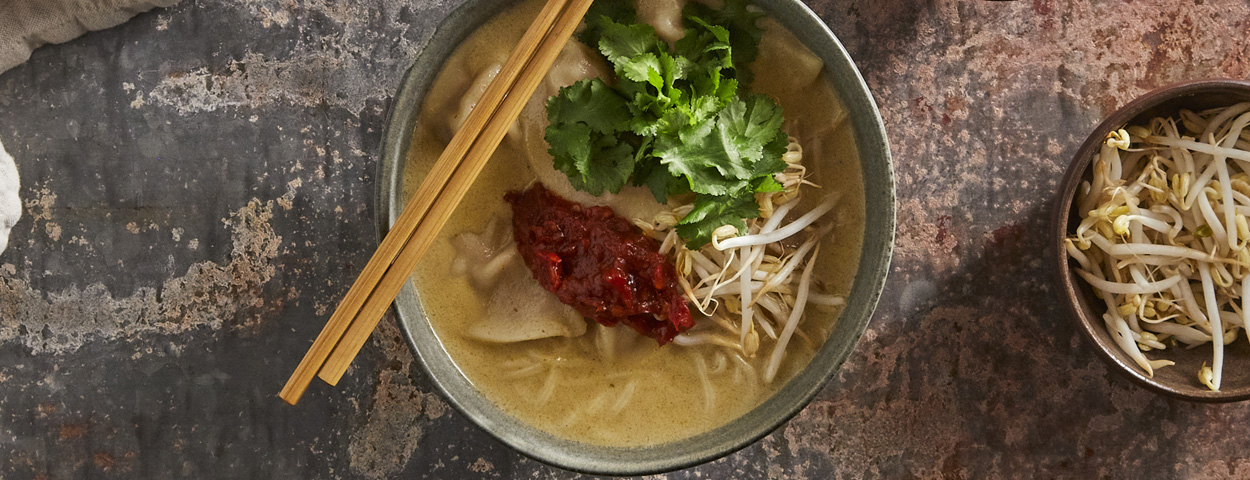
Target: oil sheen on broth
[[585, 382]]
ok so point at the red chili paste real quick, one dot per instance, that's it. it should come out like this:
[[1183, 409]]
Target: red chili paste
[[599, 263]]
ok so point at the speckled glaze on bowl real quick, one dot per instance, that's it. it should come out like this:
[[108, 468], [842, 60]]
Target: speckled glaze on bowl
[[1180, 380], [874, 264]]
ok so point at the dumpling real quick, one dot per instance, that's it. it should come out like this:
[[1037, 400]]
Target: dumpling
[[665, 16], [520, 310], [474, 94], [489, 253]]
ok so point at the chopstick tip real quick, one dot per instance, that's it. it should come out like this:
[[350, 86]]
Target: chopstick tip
[[293, 390], [331, 375]]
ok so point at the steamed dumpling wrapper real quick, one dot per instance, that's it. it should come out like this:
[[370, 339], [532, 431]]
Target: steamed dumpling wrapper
[[664, 16], [521, 310]]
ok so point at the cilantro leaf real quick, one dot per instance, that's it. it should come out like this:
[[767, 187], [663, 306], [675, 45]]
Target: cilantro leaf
[[740, 21], [718, 157], [651, 80], [748, 127], [766, 184], [771, 162], [649, 126], [584, 120], [590, 102], [607, 168], [619, 11], [644, 68], [622, 42], [650, 173], [701, 109], [710, 57], [569, 145], [594, 163], [712, 212], [755, 122], [704, 155], [674, 119]]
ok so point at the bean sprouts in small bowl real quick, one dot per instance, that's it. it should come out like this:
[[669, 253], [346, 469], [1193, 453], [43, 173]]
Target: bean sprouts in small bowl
[[1152, 240]]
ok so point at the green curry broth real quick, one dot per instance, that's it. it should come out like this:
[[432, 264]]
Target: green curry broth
[[668, 401]]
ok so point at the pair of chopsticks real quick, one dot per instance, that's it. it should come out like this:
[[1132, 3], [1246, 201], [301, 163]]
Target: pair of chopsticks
[[435, 200]]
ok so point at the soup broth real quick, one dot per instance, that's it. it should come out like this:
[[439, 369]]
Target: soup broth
[[594, 384]]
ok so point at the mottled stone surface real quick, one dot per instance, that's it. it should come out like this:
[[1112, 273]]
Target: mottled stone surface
[[199, 185]]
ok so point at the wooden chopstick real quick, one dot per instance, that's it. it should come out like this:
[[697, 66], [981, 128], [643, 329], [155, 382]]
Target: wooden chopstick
[[421, 202], [446, 203]]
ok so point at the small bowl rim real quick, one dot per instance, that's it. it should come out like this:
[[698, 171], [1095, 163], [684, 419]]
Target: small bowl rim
[[875, 257], [1073, 297]]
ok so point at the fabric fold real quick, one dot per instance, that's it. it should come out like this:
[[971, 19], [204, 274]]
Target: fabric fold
[[28, 24]]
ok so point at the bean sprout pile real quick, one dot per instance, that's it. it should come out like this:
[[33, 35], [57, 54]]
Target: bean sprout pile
[[1163, 234], [759, 281]]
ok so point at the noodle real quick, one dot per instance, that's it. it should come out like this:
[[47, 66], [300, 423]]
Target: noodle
[[610, 385]]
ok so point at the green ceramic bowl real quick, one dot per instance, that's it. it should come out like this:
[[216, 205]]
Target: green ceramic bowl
[[874, 264]]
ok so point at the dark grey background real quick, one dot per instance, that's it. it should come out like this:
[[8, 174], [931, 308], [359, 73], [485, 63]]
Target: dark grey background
[[198, 187]]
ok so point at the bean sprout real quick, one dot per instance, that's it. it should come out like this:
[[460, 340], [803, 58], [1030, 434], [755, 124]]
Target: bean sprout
[[1163, 235], [753, 280]]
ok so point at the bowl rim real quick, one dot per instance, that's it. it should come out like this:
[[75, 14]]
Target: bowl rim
[[876, 163], [1073, 298]]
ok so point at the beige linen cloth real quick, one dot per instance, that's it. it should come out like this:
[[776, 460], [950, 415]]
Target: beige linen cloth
[[10, 204], [27, 24]]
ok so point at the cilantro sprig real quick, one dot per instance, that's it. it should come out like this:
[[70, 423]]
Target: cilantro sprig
[[675, 118]]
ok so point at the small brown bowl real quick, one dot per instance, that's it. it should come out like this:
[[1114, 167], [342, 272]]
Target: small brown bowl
[[1180, 380]]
